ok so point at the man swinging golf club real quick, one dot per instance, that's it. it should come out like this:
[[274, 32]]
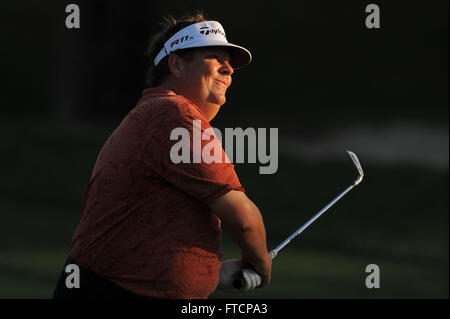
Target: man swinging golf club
[[150, 227]]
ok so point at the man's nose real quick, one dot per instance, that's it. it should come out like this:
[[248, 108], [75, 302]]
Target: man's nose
[[226, 68]]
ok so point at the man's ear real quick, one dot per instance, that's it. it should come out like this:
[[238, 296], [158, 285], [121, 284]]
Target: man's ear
[[176, 65]]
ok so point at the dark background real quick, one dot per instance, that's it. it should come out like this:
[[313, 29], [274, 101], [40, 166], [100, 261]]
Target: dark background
[[318, 75]]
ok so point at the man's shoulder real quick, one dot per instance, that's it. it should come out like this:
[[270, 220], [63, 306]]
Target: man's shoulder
[[173, 106]]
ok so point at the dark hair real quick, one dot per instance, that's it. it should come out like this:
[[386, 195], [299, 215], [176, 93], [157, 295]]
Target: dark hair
[[170, 26]]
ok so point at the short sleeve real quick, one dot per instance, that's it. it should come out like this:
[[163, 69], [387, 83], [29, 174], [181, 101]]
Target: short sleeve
[[182, 149]]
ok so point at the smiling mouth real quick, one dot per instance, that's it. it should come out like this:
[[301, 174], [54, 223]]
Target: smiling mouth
[[223, 83]]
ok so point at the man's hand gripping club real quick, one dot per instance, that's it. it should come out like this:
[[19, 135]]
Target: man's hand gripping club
[[244, 222]]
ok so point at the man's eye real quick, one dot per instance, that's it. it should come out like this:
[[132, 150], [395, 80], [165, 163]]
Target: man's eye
[[214, 57]]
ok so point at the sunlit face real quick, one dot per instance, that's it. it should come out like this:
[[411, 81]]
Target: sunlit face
[[206, 77]]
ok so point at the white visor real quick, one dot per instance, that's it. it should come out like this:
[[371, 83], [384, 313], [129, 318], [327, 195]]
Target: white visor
[[204, 34]]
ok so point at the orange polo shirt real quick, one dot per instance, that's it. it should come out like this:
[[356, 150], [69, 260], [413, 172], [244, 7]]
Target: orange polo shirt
[[145, 223]]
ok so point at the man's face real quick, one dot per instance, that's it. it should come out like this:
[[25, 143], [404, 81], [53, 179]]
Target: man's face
[[206, 78]]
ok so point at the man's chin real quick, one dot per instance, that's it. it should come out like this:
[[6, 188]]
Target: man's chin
[[219, 101]]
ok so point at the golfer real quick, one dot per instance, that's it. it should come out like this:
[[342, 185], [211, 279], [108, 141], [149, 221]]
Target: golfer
[[150, 226]]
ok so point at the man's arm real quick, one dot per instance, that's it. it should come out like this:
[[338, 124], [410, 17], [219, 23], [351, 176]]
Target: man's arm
[[244, 222]]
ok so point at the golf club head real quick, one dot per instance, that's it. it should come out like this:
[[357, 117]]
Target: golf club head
[[358, 166]]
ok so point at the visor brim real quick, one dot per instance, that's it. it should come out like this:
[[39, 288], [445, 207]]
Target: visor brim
[[240, 56]]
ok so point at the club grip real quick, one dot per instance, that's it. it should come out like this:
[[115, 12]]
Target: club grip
[[239, 283], [245, 282]]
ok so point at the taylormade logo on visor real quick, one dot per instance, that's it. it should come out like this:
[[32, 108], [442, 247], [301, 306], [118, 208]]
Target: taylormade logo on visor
[[212, 150], [207, 30]]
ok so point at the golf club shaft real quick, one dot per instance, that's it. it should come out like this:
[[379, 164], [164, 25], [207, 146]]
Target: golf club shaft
[[240, 283], [275, 251]]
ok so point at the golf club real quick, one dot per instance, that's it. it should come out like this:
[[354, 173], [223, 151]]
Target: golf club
[[241, 284]]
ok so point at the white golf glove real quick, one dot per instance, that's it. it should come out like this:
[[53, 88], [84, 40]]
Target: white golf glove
[[235, 276]]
